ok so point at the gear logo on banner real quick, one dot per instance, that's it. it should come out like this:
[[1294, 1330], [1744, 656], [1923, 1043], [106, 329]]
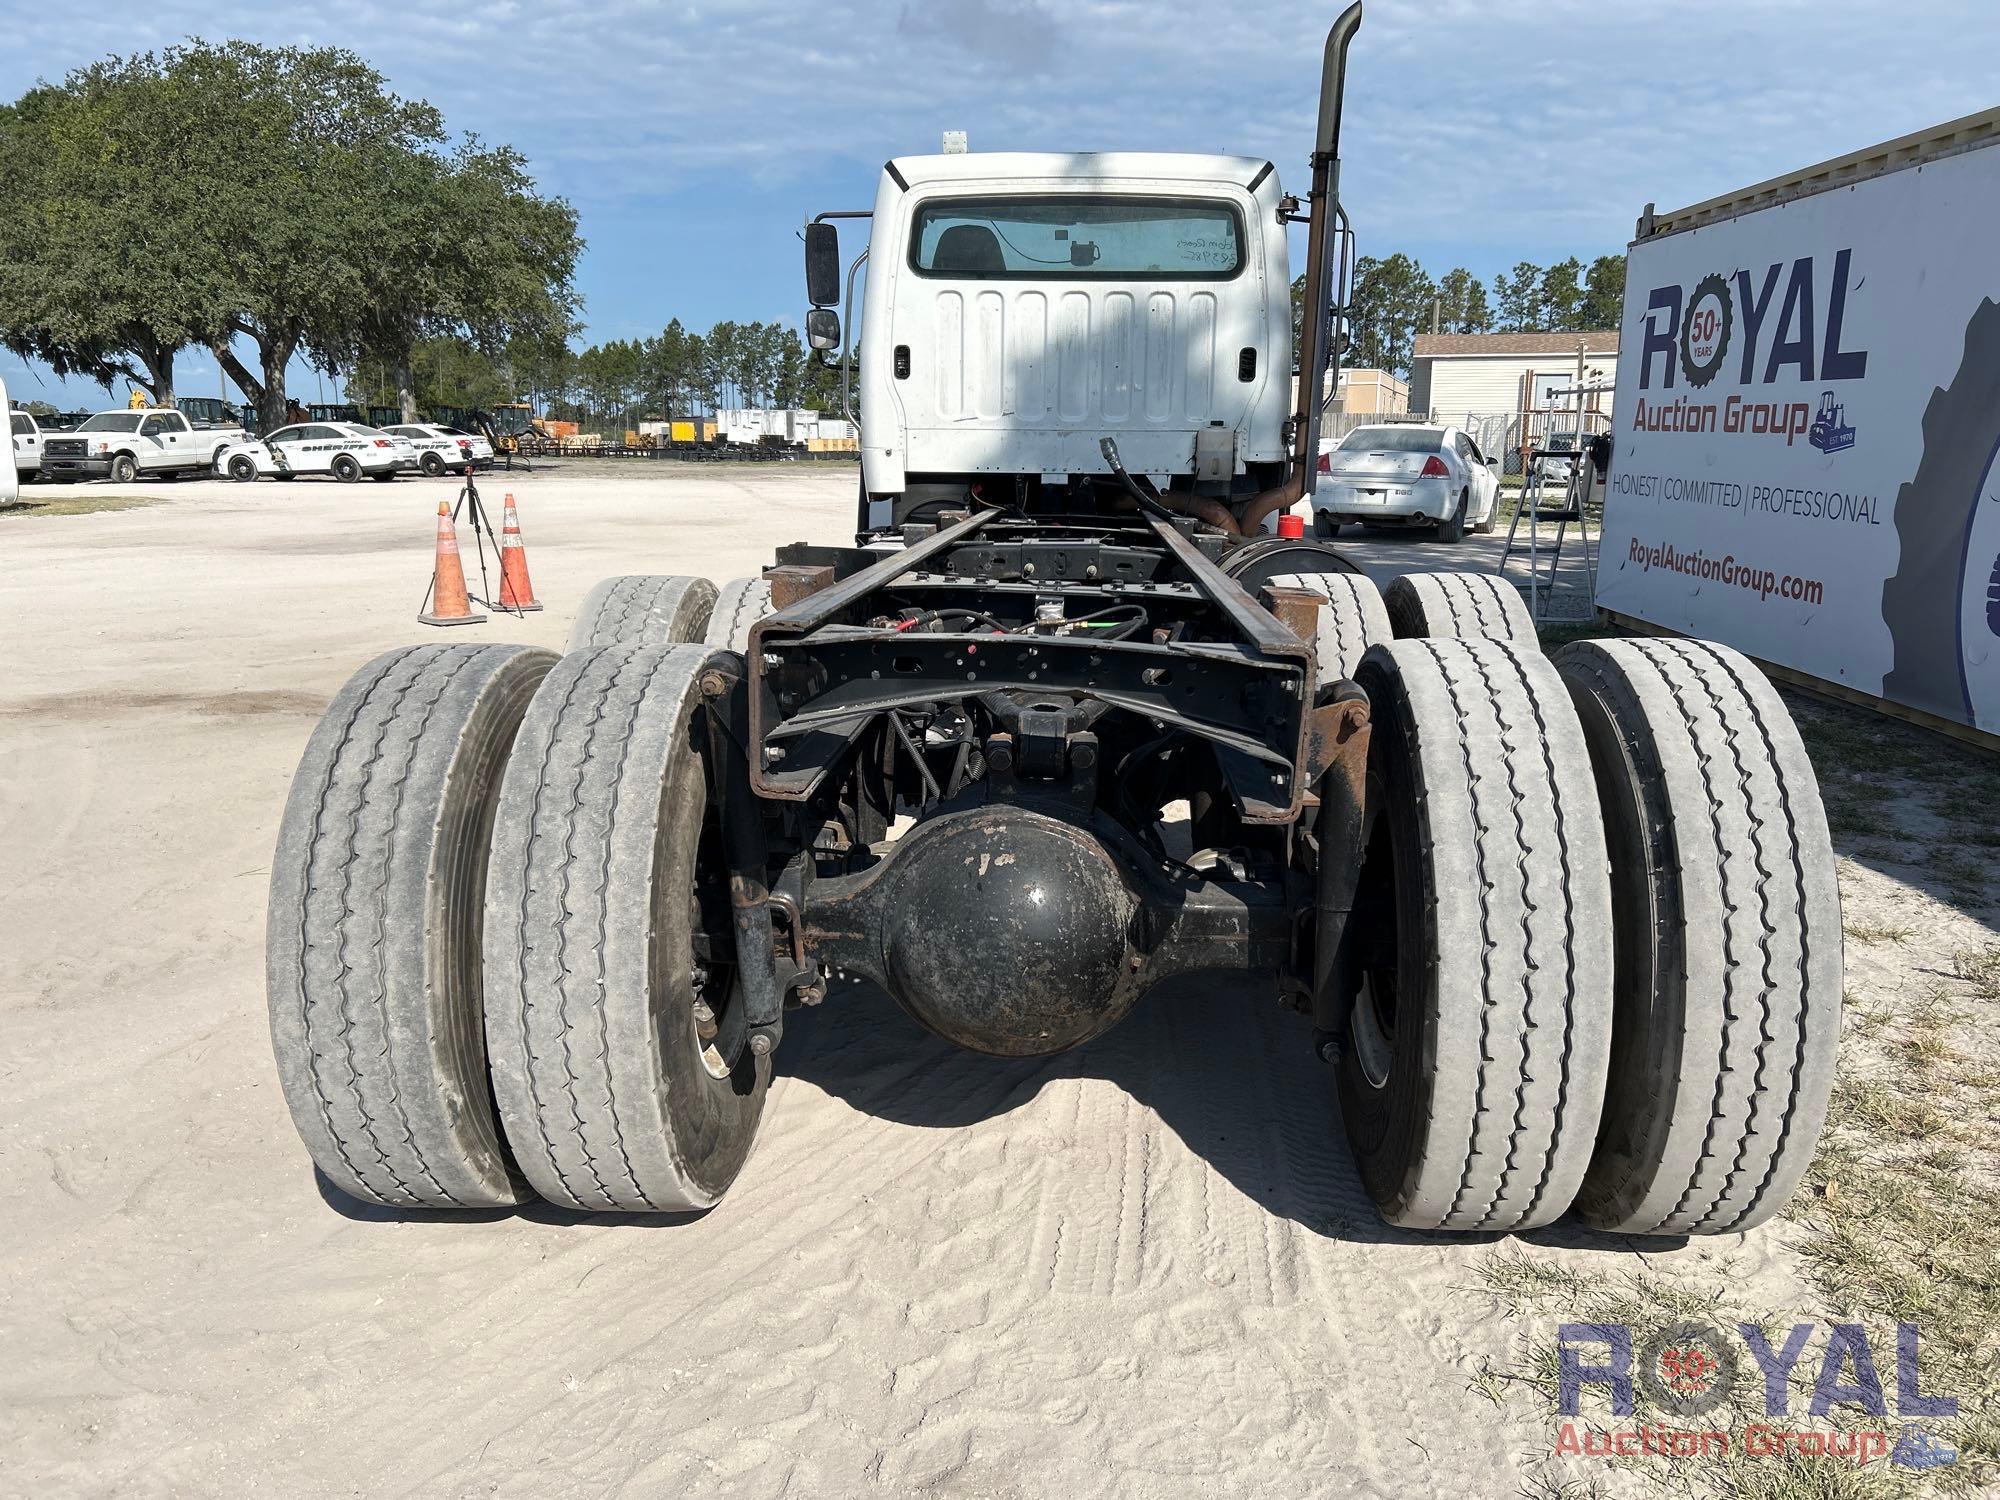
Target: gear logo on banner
[[1705, 329]]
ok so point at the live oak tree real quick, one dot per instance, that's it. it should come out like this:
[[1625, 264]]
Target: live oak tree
[[377, 236], [280, 195], [467, 249], [107, 261]]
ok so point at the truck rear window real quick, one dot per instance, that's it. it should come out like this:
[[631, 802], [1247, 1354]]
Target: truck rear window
[[1077, 237]]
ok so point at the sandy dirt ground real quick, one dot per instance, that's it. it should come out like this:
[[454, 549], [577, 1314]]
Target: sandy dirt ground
[[1142, 1268]]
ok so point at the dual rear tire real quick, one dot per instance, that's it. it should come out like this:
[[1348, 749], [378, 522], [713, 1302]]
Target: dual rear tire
[[498, 953], [1599, 960], [643, 609], [1598, 940], [1728, 953]]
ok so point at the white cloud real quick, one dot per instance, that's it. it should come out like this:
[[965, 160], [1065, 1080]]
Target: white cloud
[[1478, 132]]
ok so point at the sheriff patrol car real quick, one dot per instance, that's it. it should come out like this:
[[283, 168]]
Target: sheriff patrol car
[[345, 450], [441, 449]]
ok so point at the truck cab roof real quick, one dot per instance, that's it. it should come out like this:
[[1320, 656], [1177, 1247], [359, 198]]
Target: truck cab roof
[[1082, 166]]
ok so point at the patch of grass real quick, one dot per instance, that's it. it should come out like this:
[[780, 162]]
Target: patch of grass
[[1845, 817], [1543, 1486], [1869, 1021], [1799, 1476], [1982, 835], [1864, 933], [1888, 1110], [77, 505], [1522, 1283], [1965, 874], [1901, 1210], [1861, 749], [1979, 968]]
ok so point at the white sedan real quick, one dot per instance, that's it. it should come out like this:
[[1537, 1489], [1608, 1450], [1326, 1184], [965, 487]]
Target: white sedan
[[1406, 475], [444, 449], [345, 450]]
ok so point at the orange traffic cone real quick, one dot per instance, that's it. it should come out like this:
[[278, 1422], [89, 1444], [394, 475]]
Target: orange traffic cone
[[449, 604], [516, 593]]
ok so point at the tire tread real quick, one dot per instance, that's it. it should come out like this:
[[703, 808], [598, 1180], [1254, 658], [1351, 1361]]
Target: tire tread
[[1521, 920], [1354, 619], [1756, 1002], [563, 925], [739, 604], [349, 965], [643, 609], [1470, 606]]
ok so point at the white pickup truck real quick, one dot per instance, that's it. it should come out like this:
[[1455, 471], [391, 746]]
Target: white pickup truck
[[126, 445], [26, 434]]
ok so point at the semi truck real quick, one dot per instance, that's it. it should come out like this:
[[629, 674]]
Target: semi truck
[[1064, 722]]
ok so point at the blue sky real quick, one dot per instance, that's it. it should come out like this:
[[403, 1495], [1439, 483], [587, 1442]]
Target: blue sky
[[694, 138]]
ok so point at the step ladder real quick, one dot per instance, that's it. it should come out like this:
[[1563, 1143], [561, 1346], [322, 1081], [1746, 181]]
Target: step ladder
[[1556, 489]]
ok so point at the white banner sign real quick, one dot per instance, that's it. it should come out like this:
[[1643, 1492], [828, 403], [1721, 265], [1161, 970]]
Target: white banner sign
[[1808, 422]]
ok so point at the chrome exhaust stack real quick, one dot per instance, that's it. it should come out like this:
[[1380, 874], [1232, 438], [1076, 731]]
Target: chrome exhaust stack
[[1316, 341]]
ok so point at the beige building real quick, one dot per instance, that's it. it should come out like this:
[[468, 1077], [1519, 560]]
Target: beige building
[[1456, 375], [1368, 393]]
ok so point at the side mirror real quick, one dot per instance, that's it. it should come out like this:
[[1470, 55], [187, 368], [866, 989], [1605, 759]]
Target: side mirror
[[822, 265], [823, 328], [1493, 464]]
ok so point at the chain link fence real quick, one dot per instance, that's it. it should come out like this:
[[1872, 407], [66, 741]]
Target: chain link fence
[[1512, 434]]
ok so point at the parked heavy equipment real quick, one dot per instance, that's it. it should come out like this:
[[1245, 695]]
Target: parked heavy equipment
[[1063, 723], [510, 426], [348, 411]]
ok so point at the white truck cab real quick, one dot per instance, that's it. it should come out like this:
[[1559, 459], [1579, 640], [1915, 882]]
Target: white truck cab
[[1019, 308], [1082, 332]]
